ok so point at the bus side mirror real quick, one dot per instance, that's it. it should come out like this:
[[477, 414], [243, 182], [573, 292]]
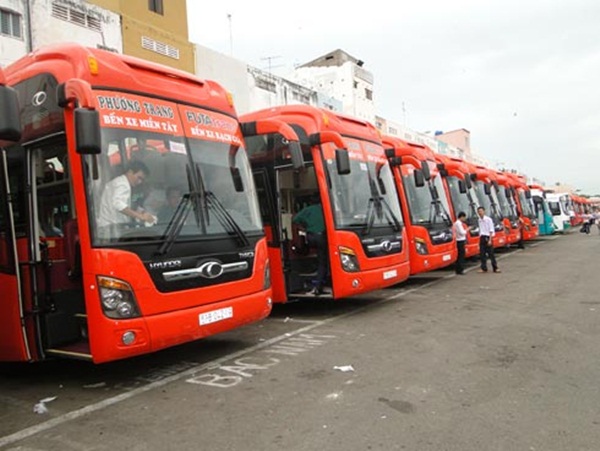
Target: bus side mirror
[[527, 194], [462, 187], [508, 192], [468, 182], [296, 154], [419, 179], [434, 193], [10, 117], [395, 161], [487, 189], [87, 131], [425, 170], [390, 153], [236, 178], [342, 160]]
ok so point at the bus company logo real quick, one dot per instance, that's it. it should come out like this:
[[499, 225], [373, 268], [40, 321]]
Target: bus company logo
[[167, 264], [39, 98], [386, 246], [210, 269], [248, 254]]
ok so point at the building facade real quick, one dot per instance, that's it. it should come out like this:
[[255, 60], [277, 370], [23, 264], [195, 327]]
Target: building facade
[[154, 30], [340, 76], [255, 89], [26, 25]]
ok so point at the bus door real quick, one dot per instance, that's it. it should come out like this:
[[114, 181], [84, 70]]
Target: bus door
[[277, 239], [296, 190], [14, 342], [57, 260]]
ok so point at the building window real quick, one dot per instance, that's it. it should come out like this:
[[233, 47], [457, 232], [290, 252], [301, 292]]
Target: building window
[[160, 47], [10, 24], [368, 94], [156, 6], [76, 16]]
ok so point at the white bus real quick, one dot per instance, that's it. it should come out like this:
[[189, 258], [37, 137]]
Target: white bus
[[560, 207]]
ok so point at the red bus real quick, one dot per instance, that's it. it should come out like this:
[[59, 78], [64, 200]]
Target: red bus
[[424, 203], [461, 192], [526, 210], [483, 179], [503, 185], [94, 264], [345, 168]]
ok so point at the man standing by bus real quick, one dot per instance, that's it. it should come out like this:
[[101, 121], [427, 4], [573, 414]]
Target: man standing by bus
[[311, 218], [115, 204], [460, 232], [486, 233]]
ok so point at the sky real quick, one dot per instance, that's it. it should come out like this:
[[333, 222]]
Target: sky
[[522, 76]]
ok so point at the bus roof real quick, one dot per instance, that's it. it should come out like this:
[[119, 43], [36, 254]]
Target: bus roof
[[108, 70], [314, 120]]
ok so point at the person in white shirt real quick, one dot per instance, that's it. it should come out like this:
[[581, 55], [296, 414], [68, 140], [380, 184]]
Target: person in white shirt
[[115, 204], [460, 232], [486, 233]]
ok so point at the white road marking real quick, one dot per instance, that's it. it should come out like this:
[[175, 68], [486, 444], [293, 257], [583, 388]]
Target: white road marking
[[74, 415]]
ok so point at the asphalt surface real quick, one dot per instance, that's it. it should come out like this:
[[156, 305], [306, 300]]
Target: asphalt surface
[[506, 361]]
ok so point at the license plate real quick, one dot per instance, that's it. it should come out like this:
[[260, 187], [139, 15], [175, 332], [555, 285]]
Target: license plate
[[215, 315], [390, 274], [446, 257]]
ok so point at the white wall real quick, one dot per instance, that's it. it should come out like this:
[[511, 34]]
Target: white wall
[[229, 72], [12, 48], [48, 29]]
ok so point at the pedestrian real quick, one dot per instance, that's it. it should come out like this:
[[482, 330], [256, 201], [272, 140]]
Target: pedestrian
[[460, 231], [311, 218], [486, 234]]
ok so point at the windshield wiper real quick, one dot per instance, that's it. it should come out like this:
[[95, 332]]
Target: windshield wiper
[[373, 204], [175, 224], [181, 213], [390, 214], [225, 218]]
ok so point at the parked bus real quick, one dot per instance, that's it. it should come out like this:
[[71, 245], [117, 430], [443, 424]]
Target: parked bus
[[487, 198], [424, 203], [523, 199], [508, 207], [542, 210], [560, 207], [95, 264], [461, 192], [345, 168]]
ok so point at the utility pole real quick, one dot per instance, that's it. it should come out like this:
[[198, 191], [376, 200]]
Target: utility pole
[[230, 35]]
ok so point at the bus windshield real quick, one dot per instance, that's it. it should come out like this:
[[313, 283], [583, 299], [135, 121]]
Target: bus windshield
[[526, 205], [461, 201], [504, 203], [366, 197], [490, 203], [198, 188], [424, 208]]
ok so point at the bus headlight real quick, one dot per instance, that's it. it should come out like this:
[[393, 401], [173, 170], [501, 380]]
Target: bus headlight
[[498, 227], [421, 247], [348, 259], [117, 299], [534, 222], [267, 276], [475, 231]]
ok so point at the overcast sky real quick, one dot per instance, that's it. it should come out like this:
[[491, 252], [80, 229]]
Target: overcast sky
[[522, 76]]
